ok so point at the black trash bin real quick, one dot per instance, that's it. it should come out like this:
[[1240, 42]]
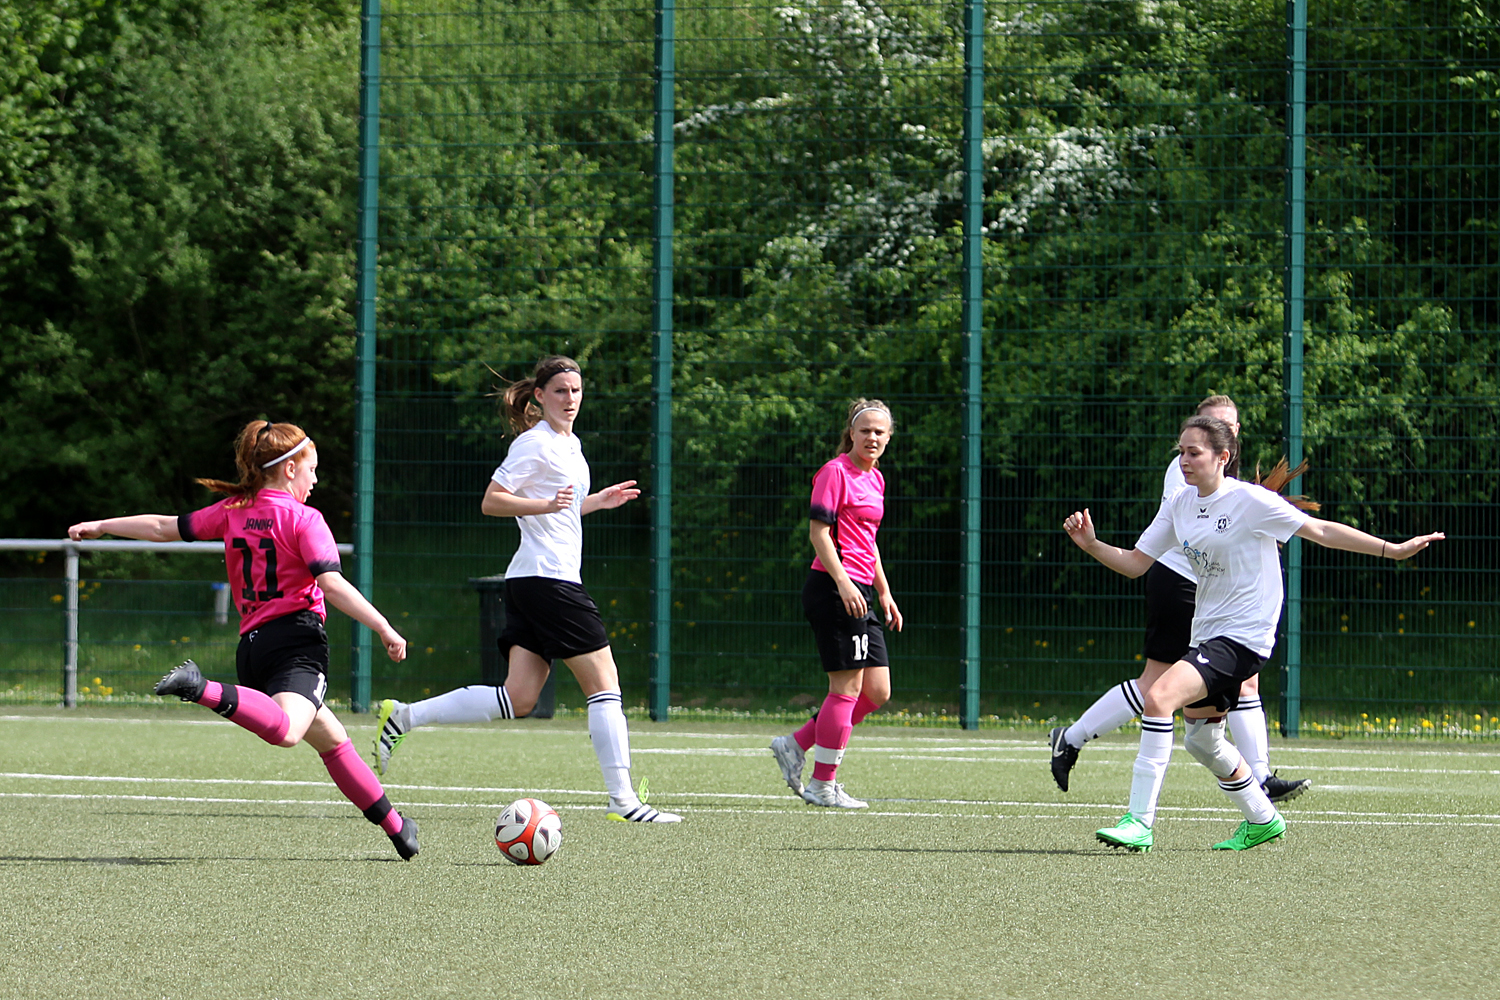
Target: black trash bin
[[492, 666]]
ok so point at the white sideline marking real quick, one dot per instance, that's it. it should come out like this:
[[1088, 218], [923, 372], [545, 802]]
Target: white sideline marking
[[1220, 815], [1108, 808]]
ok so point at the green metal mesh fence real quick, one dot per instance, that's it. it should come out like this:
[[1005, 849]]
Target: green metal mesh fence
[[1134, 214]]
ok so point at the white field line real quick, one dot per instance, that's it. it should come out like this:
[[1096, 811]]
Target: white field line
[[1179, 812], [1220, 816], [1036, 745]]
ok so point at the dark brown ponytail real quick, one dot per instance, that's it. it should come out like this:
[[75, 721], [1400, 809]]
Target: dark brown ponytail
[[516, 400]]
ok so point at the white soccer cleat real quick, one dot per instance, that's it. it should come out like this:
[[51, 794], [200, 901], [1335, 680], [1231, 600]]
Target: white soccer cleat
[[791, 759], [831, 794], [639, 813]]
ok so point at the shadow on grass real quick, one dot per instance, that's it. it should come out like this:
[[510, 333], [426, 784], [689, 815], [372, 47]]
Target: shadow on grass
[[23, 859]]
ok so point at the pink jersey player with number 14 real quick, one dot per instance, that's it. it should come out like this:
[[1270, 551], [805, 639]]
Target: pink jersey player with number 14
[[282, 561]]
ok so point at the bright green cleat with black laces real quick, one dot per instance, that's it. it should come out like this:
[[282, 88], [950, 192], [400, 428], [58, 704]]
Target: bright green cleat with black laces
[[1130, 833], [1253, 834]]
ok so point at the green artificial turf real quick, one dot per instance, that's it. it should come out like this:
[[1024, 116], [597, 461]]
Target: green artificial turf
[[162, 853]]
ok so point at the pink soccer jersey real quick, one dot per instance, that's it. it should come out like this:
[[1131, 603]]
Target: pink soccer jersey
[[274, 549], [853, 502]]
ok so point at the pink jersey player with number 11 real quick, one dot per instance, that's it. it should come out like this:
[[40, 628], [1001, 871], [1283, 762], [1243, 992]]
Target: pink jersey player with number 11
[[282, 561]]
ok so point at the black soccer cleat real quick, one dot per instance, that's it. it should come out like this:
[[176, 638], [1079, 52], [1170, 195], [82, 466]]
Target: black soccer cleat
[[1064, 756], [406, 840], [1281, 790], [183, 680]]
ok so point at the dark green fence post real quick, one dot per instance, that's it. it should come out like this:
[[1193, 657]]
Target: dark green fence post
[[973, 337], [364, 329], [1295, 243], [661, 328]]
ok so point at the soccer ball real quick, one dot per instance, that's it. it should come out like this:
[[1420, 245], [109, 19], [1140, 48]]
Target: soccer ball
[[528, 831]]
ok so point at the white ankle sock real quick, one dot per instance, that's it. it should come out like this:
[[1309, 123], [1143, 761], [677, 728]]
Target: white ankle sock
[[1248, 795], [1112, 710], [1247, 726], [611, 739], [1150, 767], [475, 703]]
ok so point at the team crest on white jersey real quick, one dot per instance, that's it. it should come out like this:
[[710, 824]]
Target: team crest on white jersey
[[1223, 523]]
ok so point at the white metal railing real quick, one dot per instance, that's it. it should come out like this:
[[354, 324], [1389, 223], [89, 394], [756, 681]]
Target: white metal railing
[[70, 550]]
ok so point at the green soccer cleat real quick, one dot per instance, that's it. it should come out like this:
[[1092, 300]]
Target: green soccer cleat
[[392, 721], [1253, 834], [1130, 833]]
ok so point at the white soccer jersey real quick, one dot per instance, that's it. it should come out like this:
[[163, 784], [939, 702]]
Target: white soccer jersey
[[1173, 559], [1229, 539], [541, 462]]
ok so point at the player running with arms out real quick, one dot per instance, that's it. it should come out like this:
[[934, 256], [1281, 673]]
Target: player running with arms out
[[1229, 531], [1170, 590], [543, 484], [840, 597], [282, 562]]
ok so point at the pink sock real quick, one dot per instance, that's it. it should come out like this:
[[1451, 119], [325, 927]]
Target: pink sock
[[359, 784], [248, 709], [807, 735], [835, 723]]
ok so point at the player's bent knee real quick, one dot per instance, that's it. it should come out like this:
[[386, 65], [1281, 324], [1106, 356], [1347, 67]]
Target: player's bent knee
[[1205, 741]]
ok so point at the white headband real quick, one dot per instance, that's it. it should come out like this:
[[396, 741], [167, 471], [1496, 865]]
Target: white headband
[[295, 448], [865, 409]]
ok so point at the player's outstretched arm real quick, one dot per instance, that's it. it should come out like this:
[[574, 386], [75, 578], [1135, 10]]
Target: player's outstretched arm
[[501, 502], [1127, 562], [142, 527], [343, 595], [1332, 535], [611, 496]]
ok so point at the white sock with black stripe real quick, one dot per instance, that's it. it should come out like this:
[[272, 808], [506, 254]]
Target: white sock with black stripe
[[1112, 710], [1150, 767], [475, 703], [1247, 726], [1250, 797], [611, 738]]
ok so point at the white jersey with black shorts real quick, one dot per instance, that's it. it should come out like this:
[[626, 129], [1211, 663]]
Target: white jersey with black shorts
[[1229, 539], [547, 610]]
